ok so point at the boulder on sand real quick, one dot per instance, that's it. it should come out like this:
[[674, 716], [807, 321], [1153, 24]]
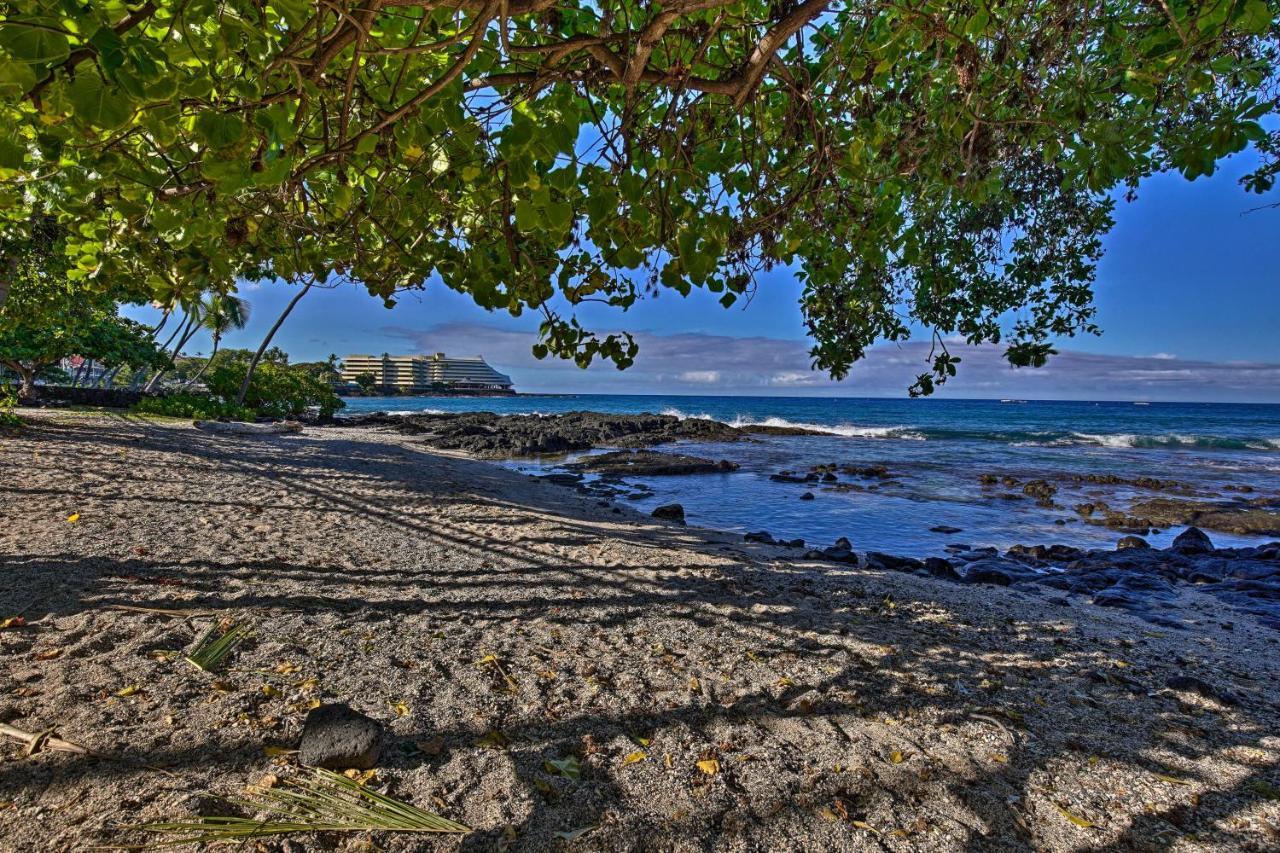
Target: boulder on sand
[[669, 512], [337, 737]]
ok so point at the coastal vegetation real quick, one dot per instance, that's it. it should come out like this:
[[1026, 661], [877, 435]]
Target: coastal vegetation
[[277, 389], [941, 167]]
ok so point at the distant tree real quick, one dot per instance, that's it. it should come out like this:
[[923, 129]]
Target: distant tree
[[222, 313], [366, 381], [47, 317]]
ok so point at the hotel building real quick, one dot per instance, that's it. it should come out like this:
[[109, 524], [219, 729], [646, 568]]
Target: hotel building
[[414, 373]]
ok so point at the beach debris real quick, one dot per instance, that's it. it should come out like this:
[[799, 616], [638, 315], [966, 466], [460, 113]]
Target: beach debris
[[324, 802], [574, 834], [216, 645], [568, 767], [338, 737], [13, 622], [73, 518], [634, 757], [240, 428], [38, 741], [669, 512], [709, 766]]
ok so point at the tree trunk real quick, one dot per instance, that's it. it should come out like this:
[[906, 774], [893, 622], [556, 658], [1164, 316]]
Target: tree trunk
[[27, 378], [217, 339], [191, 329], [108, 378], [266, 342]]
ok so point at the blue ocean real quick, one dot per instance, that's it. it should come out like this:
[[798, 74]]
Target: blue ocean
[[935, 451]]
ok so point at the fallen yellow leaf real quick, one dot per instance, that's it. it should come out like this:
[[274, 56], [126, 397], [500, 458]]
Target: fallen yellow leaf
[[1074, 818], [128, 691], [1172, 780], [897, 756], [73, 518], [632, 758], [48, 654], [13, 622], [268, 690], [863, 825], [710, 766], [278, 750], [285, 667], [693, 685], [401, 709]]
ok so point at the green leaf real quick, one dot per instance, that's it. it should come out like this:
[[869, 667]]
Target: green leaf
[[1255, 17], [95, 103], [12, 155], [33, 43], [219, 130], [16, 78]]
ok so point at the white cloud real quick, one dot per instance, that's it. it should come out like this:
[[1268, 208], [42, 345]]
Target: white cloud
[[699, 376], [691, 363]]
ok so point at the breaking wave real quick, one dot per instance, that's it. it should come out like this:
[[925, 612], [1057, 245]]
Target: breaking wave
[[1024, 438]]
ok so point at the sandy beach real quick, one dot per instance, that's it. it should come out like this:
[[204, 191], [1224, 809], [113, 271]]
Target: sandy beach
[[716, 695]]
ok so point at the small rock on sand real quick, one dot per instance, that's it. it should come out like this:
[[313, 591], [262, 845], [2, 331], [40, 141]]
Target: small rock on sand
[[338, 737]]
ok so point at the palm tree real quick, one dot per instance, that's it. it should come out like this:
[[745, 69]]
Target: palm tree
[[221, 313]]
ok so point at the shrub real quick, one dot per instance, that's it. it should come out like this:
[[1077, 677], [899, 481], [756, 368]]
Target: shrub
[[188, 405], [8, 400], [278, 389]]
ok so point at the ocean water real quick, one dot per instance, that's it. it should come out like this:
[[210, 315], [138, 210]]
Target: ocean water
[[935, 450]]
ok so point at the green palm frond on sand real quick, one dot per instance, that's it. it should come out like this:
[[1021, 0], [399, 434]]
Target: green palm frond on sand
[[326, 802], [215, 645]]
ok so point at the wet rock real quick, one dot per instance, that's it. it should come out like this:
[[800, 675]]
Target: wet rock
[[807, 496], [1129, 542], [562, 479], [940, 568], [651, 463], [1042, 490], [761, 536], [669, 512], [994, 571], [843, 542], [792, 477], [839, 555], [877, 560], [1246, 517], [879, 472], [1193, 540], [493, 436], [945, 528], [337, 737]]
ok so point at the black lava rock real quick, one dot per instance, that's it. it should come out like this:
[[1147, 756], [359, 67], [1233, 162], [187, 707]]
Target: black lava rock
[[337, 737], [1192, 541], [670, 512], [1128, 542]]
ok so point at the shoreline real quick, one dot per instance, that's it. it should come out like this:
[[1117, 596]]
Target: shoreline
[[939, 715]]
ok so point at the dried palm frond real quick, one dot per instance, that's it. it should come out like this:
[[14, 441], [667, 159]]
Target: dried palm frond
[[326, 802], [216, 644]]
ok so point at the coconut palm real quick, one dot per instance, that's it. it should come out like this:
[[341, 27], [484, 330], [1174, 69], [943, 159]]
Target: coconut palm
[[221, 312]]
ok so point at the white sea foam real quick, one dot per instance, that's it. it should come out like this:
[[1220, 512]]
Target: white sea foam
[[846, 430]]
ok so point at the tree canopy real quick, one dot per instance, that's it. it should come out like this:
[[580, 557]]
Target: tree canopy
[[922, 164], [46, 317]]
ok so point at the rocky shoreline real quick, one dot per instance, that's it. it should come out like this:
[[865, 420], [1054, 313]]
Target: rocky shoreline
[[1133, 577]]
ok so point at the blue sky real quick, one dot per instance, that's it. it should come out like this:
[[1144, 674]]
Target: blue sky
[[1188, 297]]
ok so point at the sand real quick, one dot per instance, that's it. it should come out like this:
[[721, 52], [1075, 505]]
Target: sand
[[495, 622]]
